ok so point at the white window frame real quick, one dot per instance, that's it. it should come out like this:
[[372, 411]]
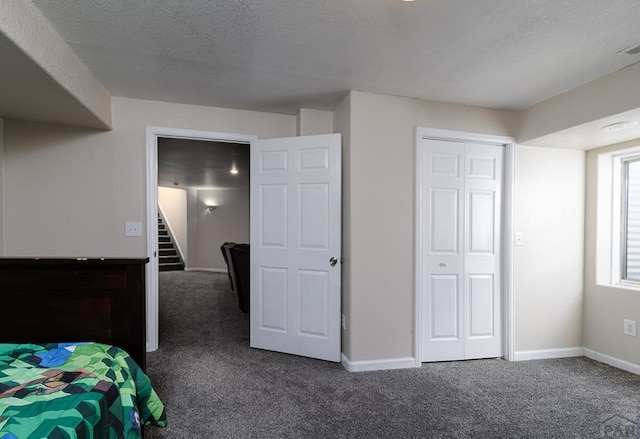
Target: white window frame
[[619, 218], [623, 186]]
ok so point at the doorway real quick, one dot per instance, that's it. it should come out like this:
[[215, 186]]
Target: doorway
[[153, 134], [203, 199], [463, 246]]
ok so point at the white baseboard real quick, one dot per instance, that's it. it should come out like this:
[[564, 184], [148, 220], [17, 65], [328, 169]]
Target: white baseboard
[[543, 354], [213, 270], [386, 364], [410, 362], [612, 361]]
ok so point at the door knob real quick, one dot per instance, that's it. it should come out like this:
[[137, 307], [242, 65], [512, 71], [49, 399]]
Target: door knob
[[333, 261]]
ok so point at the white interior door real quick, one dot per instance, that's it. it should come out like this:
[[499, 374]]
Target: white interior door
[[295, 245], [462, 212]]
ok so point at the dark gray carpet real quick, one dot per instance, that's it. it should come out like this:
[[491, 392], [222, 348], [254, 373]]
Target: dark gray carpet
[[215, 386]]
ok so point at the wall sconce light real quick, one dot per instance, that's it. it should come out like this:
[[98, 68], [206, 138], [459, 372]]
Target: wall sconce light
[[211, 208]]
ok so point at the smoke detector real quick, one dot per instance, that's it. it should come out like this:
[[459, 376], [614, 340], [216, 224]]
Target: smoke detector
[[619, 126]]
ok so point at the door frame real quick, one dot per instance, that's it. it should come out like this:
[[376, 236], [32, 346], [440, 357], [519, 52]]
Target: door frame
[[151, 201], [507, 262]]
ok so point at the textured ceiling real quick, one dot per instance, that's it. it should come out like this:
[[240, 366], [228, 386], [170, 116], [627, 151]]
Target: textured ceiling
[[280, 55], [197, 164]]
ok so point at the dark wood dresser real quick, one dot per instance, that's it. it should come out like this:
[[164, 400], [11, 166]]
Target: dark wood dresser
[[74, 299]]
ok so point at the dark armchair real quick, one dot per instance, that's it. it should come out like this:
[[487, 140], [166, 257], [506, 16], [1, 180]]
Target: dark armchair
[[236, 256]]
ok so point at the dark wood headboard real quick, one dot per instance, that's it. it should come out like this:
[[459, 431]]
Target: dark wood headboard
[[65, 300]]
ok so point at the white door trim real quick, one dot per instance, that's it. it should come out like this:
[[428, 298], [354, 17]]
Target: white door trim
[[152, 135], [507, 232]]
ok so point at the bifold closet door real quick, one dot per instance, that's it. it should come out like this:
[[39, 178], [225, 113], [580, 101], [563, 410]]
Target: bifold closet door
[[462, 210]]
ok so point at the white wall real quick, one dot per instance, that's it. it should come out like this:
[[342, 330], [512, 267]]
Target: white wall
[[54, 85], [598, 100], [228, 222], [69, 190], [199, 232], [549, 210], [311, 122], [173, 204], [605, 305], [379, 236], [192, 224]]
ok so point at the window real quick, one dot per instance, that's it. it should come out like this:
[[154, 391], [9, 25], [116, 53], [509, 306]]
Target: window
[[616, 214], [630, 225]]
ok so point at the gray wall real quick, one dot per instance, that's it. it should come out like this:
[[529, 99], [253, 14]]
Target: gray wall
[[228, 222]]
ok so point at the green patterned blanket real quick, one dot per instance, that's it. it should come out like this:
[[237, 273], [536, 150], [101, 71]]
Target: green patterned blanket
[[74, 390]]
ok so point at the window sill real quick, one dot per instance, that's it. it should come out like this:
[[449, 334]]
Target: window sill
[[623, 285]]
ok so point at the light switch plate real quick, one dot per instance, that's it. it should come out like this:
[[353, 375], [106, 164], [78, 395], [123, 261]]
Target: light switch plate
[[519, 238], [630, 328], [132, 228]]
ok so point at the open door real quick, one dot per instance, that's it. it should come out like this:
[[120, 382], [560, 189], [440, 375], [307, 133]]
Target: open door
[[295, 245]]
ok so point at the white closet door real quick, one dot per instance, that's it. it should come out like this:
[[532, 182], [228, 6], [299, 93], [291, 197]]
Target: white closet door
[[444, 282], [461, 212], [482, 257]]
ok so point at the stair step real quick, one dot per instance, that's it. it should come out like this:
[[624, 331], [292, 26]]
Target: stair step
[[171, 267], [168, 257]]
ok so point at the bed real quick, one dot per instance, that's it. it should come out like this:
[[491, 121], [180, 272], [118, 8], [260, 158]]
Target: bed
[[72, 349], [74, 390]]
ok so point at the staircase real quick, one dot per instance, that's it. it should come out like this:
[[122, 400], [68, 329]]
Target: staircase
[[168, 256]]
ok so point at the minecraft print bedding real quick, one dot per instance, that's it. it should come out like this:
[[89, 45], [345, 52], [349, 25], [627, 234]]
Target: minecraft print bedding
[[74, 390]]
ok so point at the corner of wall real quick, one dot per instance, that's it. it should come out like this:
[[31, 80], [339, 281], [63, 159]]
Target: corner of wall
[[611, 94], [192, 225], [86, 98], [342, 124], [311, 122], [606, 303], [381, 166], [548, 264]]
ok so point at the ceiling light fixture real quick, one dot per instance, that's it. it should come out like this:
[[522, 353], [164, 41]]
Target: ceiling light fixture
[[619, 126], [234, 170]]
